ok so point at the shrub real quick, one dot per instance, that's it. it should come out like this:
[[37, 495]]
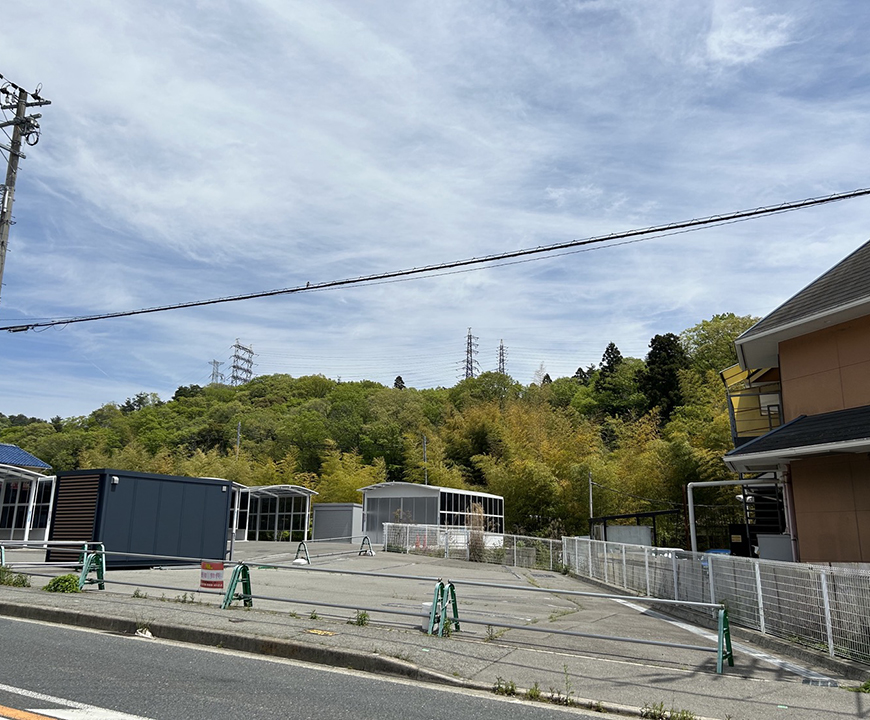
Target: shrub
[[64, 584], [9, 577]]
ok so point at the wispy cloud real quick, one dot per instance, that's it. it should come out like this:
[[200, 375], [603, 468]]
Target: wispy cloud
[[207, 149]]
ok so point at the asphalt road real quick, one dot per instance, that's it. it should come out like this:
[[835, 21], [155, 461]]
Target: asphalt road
[[71, 673]]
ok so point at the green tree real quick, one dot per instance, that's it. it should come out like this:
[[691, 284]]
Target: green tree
[[710, 343], [660, 379]]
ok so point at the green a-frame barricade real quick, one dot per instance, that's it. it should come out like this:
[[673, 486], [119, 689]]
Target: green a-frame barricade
[[443, 600], [93, 561], [723, 644], [241, 573]]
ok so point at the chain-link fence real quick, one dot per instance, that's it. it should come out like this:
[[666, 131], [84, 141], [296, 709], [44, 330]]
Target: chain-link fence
[[465, 543], [823, 607]]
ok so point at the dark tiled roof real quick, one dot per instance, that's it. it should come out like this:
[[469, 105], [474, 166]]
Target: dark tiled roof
[[14, 455], [845, 283], [809, 430]]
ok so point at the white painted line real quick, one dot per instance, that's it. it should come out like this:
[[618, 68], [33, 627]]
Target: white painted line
[[81, 714], [86, 711], [803, 672]]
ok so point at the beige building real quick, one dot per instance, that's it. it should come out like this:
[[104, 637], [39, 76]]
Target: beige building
[[813, 352]]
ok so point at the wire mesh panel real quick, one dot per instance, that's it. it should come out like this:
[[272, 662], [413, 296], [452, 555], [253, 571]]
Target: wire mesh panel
[[467, 543], [827, 608], [848, 595]]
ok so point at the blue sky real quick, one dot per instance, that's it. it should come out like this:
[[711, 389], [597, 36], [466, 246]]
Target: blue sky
[[202, 149]]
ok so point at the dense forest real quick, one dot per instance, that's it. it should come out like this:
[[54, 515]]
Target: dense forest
[[640, 428]]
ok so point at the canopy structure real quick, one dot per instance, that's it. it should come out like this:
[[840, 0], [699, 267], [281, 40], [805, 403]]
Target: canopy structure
[[402, 502], [25, 503], [271, 512]]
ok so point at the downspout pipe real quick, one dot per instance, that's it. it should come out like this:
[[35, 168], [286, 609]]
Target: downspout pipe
[[716, 483]]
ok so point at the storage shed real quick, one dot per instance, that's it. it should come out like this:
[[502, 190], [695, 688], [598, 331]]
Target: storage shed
[[129, 512], [401, 502], [340, 521]]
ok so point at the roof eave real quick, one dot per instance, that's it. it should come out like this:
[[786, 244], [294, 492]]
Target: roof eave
[[775, 459], [761, 349]]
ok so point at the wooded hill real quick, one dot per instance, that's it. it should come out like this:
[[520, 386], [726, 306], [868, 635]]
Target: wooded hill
[[643, 428]]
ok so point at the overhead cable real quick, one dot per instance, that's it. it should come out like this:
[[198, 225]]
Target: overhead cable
[[640, 233]]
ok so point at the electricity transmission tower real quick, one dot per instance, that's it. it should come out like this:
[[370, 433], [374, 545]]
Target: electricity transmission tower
[[502, 358], [471, 364], [24, 127], [242, 368], [216, 375]]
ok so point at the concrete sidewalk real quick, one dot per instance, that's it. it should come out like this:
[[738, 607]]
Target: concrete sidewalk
[[616, 676]]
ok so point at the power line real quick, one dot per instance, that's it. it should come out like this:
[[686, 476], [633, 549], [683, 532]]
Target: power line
[[635, 235]]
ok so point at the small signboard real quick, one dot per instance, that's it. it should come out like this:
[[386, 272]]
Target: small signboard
[[211, 575]]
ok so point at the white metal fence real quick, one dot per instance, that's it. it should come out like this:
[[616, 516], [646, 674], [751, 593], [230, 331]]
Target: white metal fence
[[823, 607], [463, 543]]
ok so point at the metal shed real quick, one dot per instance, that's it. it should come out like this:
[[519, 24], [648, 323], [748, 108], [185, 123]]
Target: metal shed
[[340, 521], [271, 512], [129, 512], [402, 502]]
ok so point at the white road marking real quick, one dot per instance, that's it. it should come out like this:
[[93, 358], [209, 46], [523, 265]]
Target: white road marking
[[73, 708]]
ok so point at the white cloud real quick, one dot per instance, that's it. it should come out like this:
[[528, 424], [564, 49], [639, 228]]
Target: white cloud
[[211, 149], [741, 34]]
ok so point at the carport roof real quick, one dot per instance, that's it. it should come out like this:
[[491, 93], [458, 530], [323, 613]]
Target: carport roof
[[279, 491]]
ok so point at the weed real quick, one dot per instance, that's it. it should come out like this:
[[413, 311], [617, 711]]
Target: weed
[[653, 712], [493, 634], [658, 712], [313, 615], [863, 688], [137, 593], [68, 583], [293, 614], [9, 577], [534, 692], [143, 625], [361, 619], [597, 706], [556, 697], [504, 687], [556, 614]]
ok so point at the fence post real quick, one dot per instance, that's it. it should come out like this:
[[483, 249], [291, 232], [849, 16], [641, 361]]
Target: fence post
[[447, 543], [606, 569], [624, 575], [710, 571], [589, 548], [407, 538], [551, 554], [646, 569], [760, 599], [676, 586], [826, 601]]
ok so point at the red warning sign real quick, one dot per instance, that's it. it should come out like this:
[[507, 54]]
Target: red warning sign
[[211, 575]]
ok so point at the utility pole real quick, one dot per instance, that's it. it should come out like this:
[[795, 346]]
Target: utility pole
[[24, 127], [502, 358], [425, 464], [471, 363], [242, 369]]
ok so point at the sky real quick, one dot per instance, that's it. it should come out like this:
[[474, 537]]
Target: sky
[[197, 150]]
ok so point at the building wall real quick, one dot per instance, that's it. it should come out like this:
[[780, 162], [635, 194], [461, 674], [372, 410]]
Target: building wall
[[826, 370], [832, 508]]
